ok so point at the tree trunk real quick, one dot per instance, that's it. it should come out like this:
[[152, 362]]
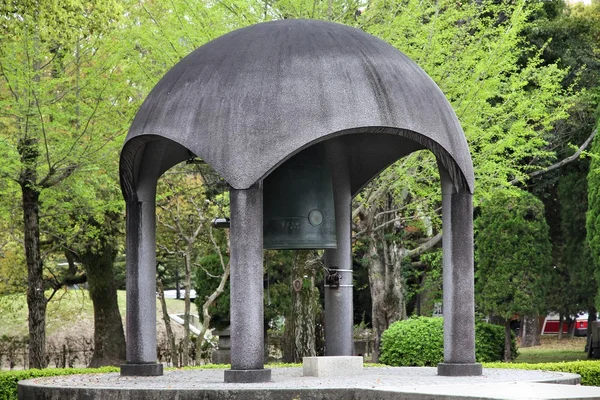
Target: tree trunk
[[167, 321], [109, 337], [591, 320], [385, 283], [206, 317], [377, 288], [300, 325], [561, 320], [571, 331], [530, 334], [507, 342], [186, 313], [36, 300]]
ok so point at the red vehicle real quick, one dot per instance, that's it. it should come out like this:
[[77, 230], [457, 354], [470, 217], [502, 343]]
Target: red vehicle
[[551, 323]]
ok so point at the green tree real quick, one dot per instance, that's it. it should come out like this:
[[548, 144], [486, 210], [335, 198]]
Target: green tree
[[593, 213], [567, 35], [513, 257], [97, 255], [184, 229], [93, 233], [507, 101], [576, 257], [60, 105]]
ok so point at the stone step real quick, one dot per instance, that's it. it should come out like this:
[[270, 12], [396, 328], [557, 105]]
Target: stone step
[[508, 391], [332, 366]]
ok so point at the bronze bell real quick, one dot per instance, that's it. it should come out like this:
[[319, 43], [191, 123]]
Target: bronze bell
[[298, 208]]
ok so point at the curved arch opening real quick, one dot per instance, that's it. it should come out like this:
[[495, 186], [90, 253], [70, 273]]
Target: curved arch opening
[[370, 150]]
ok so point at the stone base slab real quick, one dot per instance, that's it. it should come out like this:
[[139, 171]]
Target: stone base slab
[[147, 369], [247, 375], [452, 369], [374, 383], [332, 366]]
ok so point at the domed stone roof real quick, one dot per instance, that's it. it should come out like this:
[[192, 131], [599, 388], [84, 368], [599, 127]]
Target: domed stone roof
[[247, 101]]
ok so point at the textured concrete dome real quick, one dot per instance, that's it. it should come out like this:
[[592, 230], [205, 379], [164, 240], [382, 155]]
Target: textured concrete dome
[[249, 100]]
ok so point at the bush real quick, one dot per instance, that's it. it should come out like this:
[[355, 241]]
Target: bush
[[9, 379], [419, 342], [489, 343], [415, 342], [589, 370]]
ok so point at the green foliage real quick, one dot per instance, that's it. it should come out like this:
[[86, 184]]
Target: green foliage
[[278, 290], [162, 33], [420, 342], [593, 213], [513, 254], [206, 279], [489, 342], [575, 263], [425, 281], [9, 380], [64, 101], [589, 370], [507, 99], [476, 52], [186, 241], [415, 342], [567, 36], [60, 87]]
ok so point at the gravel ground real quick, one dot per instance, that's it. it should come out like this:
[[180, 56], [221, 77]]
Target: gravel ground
[[291, 378]]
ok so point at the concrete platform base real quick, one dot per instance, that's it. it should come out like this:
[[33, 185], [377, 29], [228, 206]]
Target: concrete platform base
[[448, 369], [149, 369], [374, 383], [515, 391], [247, 375], [332, 366]]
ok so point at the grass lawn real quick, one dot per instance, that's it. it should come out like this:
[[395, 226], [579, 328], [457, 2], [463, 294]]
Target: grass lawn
[[554, 350], [69, 314]]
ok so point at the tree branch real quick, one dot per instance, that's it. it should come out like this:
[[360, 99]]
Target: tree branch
[[379, 227], [206, 271], [564, 161], [217, 248], [53, 178], [8, 82], [431, 243], [161, 29]]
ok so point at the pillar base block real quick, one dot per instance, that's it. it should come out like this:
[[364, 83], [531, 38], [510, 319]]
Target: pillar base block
[[459, 369], [332, 366], [145, 369], [247, 375]]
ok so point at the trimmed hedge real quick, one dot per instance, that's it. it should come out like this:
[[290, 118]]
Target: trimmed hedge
[[589, 370], [414, 342], [9, 379], [419, 342]]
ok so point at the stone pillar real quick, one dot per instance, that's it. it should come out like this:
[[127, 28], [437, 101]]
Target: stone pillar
[[339, 308], [458, 281], [247, 333], [141, 289]]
